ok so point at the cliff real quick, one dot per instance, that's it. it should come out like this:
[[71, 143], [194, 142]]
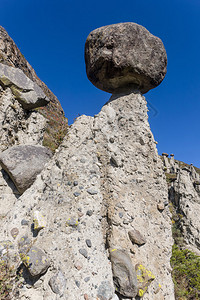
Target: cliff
[[93, 219]]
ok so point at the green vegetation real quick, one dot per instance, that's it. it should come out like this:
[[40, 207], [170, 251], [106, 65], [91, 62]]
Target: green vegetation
[[56, 128], [185, 274], [170, 177], [185, 264], [7, 277]]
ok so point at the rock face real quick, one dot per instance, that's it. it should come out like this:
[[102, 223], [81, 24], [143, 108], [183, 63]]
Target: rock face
[[50, 117], [23, 163], [27, 92], [125, 56], [184, 194]]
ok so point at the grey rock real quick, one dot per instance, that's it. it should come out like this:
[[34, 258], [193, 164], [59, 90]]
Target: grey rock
[[76, 194], [136, 237], [124, 56], [124, 276], [72, 222], [105, 291], [24, 222], [35, 260], [87, 279], [92, 192], [83, 252], [77, 283], [88, 243], [27, 92], [5, 246], [89, 213], [23, 163], [24, 243], [58, 283]]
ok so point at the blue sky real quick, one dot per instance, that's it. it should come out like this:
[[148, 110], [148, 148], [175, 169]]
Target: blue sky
[[51, 35]]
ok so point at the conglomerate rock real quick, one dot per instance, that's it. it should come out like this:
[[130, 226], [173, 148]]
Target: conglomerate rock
[[125, 56], [124, 198]]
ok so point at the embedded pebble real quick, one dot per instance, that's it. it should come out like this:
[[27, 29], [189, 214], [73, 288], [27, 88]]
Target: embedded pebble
[[83, 252], [87, 279], [24, 222], [88, 243], [77, 283], [76, 194], [78, 265], [89, 213], [92, 192]]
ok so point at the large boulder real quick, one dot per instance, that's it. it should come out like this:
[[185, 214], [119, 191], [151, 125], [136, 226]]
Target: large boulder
[[124, 276], [27, 92], [125, 56], [23, 163]]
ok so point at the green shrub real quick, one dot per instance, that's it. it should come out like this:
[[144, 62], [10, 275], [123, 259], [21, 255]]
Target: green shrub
[[185, 274], [7, 277]]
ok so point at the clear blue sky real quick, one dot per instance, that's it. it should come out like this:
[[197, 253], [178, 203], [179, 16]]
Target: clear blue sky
[[51, 35]]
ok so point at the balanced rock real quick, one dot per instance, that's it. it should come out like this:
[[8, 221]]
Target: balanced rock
[[27, 92], [23, 163], [125, 56]]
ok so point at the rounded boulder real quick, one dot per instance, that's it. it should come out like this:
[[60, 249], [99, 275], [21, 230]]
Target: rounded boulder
[[123, 57]]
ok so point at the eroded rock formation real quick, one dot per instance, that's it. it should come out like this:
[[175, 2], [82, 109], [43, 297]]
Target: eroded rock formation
[[95, 224]]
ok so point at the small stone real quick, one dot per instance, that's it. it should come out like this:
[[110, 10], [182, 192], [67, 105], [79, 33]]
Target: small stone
[[75, 183], [87, 279], [83, 252], [77, 283], [76, 194], [89, 213], [78, 265], [58, 283], [14, 232], [92, 192], [72, 222], [69, 183], [111, 140], [82, 160], [120, 215], [39, 220], [24, 222], [86, 297], [88, 243], [105, 290], [161, 206], [136, 237]]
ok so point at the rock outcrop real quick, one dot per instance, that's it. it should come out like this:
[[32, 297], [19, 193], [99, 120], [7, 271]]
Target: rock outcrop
[[184, 194], [95, 223], [54, 123], [125, 56], [27, 92]]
